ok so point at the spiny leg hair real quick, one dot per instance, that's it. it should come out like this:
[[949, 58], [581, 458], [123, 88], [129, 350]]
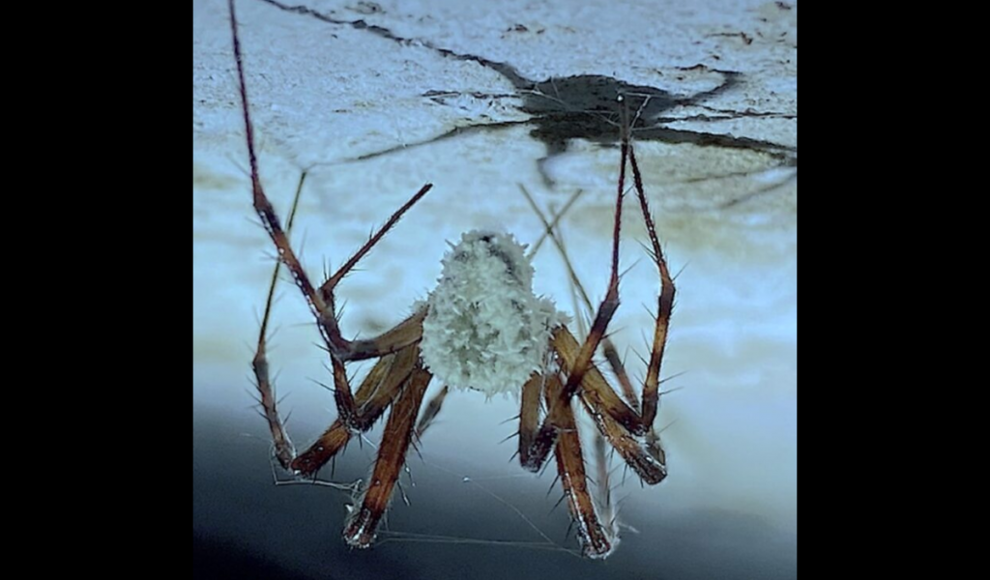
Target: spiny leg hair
[[397, 378], [321, 302], [619, 422]]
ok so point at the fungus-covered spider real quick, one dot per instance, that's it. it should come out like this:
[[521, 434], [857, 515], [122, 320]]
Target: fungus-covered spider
[[482, 328]]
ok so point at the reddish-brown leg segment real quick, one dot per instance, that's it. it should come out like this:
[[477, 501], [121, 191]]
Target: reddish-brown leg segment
[[284, 450], [568, 349], [665, 303], [608, 348], [611, 302], [321, 301], [638, 423], [596, 395], [375, 394], [594, 539], [615, 418], [350, 412], [648, 461], [361, 527], [536, 439], [581, 363]]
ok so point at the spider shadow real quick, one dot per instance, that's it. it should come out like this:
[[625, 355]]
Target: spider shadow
[[578, 107], [563, 109]]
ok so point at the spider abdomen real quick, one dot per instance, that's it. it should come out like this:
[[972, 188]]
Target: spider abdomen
[[484, 328]]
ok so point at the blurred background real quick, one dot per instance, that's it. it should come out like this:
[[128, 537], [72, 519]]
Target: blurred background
[[374, 99]]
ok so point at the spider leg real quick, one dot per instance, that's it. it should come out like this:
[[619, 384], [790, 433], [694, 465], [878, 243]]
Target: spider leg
[[620, 422], [596, 542], [650, 471], [611, 301], [536, 440], [285, 451], [638, 423], [321, 301], [648, 461], [611, 354], [665, 302], [615, 420], [604, 398], [406, 333], [431, 411], [361, 526], [338, 434], [262, 205], [375, 394]]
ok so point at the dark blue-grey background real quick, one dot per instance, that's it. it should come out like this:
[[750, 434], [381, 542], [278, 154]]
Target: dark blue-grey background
[[245, 526]]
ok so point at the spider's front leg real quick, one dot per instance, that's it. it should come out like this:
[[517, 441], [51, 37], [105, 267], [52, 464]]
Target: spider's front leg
[[616, 420], [321, 301], [638, 423], [538, 442], [284, 450], [621, 422]]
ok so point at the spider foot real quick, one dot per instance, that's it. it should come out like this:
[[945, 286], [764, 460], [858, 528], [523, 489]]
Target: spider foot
[[533, 450], [361, 526], [598, 545]]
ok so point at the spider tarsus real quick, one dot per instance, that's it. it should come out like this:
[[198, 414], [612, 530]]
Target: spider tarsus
[[360, 531], [533, 452]]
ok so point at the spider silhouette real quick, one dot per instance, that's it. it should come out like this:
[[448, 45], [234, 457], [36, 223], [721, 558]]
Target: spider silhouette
[[581, 106], [481, 328], [562, 109]]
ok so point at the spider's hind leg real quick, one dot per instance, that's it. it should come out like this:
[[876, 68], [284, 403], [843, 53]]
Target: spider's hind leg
[[320, 300]]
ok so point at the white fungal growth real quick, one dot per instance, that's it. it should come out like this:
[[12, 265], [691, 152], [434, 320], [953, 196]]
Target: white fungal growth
[[485, 329]]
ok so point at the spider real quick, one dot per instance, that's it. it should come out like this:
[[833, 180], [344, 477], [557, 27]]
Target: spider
[[482, 328]]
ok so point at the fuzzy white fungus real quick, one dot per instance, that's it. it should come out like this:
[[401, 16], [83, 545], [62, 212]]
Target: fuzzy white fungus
[[485, 329]]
